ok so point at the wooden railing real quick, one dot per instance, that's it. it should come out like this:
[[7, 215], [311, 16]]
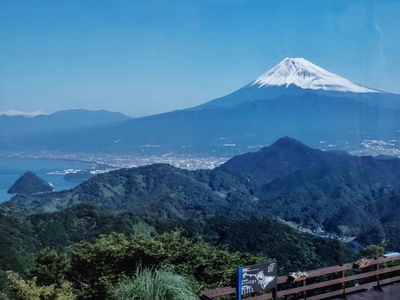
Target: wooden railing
[[328, 282]]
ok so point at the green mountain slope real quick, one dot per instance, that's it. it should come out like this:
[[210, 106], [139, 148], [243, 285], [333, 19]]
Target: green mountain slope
[[159, 189], [342, 194], [88, 221]]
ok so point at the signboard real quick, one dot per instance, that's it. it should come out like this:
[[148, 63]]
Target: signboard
[[256, 278]]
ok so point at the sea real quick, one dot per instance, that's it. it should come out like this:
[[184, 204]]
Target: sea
[[50, 170]]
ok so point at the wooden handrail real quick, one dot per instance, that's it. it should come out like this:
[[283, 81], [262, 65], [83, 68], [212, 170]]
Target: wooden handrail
[[307, 285]]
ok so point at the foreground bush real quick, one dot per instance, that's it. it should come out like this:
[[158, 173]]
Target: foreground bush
[[154, 284], [116, 265], [29, 290]]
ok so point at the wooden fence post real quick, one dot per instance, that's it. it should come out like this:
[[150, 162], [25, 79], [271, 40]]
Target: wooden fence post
[[377, 278]]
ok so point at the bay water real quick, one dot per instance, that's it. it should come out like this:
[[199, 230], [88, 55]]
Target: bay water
[[50, 170]]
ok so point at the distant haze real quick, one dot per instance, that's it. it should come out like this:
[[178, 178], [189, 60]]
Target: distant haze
[[295, 98]]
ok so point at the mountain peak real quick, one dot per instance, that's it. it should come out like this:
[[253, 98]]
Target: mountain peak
[[306, 75], [280, 159]]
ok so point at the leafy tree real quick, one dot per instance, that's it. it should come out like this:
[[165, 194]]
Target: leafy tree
[[143, 228], [97, 267], [30, 290], [51, 267], [374, 250], [4, 286], [3, 296]]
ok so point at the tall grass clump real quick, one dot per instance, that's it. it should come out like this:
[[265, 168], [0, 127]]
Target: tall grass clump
[[154, 284]]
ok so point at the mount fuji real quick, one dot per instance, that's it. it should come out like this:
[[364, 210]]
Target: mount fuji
[[306, 75], [295, 98], [292, 76]]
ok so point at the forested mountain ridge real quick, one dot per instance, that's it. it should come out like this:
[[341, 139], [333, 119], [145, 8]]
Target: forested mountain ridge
[[287, 155], [21, 238], [239, 205], [313, 188], [337, 192], [159, 189]]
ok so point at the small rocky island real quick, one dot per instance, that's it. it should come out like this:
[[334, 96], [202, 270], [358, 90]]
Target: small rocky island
[[29, 184]]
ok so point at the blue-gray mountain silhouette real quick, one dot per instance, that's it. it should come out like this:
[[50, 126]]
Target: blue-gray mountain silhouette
[[306, 104]]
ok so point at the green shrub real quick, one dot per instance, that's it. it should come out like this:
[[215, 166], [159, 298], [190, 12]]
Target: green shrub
[[154, 284], [29, 290]]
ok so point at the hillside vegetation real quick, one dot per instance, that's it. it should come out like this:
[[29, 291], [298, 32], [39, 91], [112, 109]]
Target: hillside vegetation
[[91, 230], [289, 180], [237, 206]]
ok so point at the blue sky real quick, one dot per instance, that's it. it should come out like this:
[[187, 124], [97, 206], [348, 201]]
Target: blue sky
[[146, 56]]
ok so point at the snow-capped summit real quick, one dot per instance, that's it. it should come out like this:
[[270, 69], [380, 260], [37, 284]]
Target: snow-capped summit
[[306, 75]]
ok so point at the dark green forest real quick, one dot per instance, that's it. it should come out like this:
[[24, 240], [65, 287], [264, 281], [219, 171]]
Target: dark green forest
[[94, 240], [86, 227]]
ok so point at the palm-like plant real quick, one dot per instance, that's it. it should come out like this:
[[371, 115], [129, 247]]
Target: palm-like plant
[[154, 284]]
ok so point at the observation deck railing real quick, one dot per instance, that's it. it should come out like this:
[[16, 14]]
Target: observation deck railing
[[329, 282]]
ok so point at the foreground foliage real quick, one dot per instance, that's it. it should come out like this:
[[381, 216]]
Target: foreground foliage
[[93, 270], [237, 206], [98, 266], [22, 237], [154, 284], [30, 290]]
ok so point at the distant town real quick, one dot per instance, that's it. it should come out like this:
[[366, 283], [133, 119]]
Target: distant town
[[107, 162]]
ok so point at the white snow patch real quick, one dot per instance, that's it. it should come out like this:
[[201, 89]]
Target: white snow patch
[[21, 113], [306, 75]]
